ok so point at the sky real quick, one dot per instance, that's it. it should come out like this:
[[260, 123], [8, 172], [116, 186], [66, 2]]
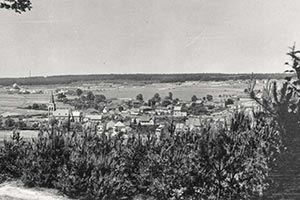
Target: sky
[[148, 36]]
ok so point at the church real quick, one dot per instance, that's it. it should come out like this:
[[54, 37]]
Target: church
[[62, 112]]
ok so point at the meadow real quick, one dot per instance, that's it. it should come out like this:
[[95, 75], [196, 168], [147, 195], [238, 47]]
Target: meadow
[[183, 91]]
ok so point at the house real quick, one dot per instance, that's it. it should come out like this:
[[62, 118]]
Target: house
[[178, 111], [120, 127], [193, 123], [160, 130], [180, 127], [77, 116], [134, 111], [145, 109], [93, 118], [145, 120], [62, 114], [110, 125], [161, 110]]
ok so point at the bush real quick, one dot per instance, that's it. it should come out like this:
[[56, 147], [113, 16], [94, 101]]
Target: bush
[[11, 157], [45, 157], [217, 162]]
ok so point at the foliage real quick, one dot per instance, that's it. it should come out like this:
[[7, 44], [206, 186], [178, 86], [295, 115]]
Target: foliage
[[45, 156], [90, 96], [283, 103], [18, 6], [194, 98], [87, 101], [216, 162], [37, 106], [140, 97], [197, 109], [120, 78], [79, 92], [209, 97], [229, 102], [11, 156], [61, 96]]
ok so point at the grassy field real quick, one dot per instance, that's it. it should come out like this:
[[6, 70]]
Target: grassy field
[[10, 103], [183, 91]]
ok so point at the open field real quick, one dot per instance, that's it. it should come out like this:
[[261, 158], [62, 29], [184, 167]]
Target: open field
[[10, 103], [183, 91]]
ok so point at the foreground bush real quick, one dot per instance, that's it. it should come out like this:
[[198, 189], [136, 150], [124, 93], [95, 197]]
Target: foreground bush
[[11, 157], [218, 162]]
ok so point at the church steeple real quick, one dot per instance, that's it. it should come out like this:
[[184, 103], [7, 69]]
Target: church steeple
[[51, 105]]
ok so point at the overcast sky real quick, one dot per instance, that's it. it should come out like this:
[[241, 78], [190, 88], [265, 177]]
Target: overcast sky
[[148, 36]]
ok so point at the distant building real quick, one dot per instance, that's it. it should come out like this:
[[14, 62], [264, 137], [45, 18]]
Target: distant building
[[145, 120], [63, 114], [178, 111], [93, 118], [77, 116], [51, 106]]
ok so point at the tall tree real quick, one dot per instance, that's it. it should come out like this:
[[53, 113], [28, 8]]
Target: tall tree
[[79, 92], [194, 98], [140, 97]]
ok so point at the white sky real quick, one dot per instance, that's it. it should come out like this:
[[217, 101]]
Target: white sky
[[148, 36]]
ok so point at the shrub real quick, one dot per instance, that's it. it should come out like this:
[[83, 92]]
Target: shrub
[[46, 155], [218, 162], [11, 156]]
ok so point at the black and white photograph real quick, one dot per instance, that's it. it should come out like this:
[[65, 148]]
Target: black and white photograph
[[149, 100]]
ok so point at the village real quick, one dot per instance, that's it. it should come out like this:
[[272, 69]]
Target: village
[[83, 110]]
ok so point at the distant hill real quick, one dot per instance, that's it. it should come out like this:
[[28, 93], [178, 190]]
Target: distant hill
[[164, 78]]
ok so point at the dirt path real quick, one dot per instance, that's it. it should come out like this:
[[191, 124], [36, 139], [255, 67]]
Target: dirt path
[[15, 191]]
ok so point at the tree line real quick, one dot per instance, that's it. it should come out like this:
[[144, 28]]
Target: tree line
[[162, 78]]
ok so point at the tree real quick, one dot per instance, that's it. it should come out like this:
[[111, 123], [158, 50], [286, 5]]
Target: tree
[[18, 6], [166, 102], [156, 98], [282, 103], [140, 97], [99, 98], [79, 92], [209, 97], [229, 102], [35, 106], [170, 96], [90, 96], [194, 98], [61, 96], [9, 123]]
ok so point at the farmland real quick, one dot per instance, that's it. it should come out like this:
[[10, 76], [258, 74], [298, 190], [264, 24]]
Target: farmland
[[183, 91]]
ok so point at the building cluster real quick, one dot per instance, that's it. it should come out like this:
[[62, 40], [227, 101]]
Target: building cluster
[[124, 115]]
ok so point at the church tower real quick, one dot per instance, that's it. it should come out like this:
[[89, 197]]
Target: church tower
[[51, 105]]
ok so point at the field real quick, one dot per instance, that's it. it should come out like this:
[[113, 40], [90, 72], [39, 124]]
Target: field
[[10, 103], [183, 91]]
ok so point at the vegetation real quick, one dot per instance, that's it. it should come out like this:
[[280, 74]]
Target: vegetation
[[87, 101], [217, 162], [229, 101], [37, 106], [283, 104], [163, 78], [18, 6]]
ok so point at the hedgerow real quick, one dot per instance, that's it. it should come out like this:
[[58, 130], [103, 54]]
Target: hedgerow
[[218, 162]]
